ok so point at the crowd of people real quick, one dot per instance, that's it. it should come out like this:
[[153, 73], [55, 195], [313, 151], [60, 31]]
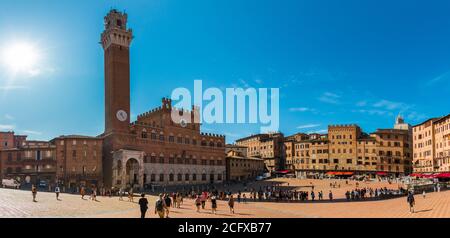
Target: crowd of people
[[206, 198], [380, 193]]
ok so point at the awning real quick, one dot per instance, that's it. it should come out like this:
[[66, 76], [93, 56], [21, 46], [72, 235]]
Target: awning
[[381, 173], [428, 175], [282, 171], [442, 175], [342, 173]]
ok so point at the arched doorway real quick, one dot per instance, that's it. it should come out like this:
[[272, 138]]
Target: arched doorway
[[132, 171]]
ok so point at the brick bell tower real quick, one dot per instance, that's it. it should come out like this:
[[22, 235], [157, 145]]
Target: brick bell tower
[[116, 40]]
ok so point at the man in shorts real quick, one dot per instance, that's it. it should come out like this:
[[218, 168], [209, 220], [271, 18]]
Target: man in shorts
[[160, 206]]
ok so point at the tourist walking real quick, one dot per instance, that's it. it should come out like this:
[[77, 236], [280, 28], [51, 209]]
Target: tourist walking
[[203, 199], [130, 194], [160, 206], [198, 202], [57, 191], [330, 196], [423, 194], [411, 201], [121, 194], [34, 192], [168, 203], [143, 204], [214, 204], [179, 199], [94, 194], [231, 204], [82, 192]]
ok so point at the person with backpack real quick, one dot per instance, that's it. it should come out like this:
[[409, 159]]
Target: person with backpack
[[213, 204], [160, 206], [143, 204], [168, 203], [57, 191]]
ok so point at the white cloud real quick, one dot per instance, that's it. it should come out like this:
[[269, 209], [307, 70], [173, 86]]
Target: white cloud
[[244, 83], [308, 126], [4, 127], [442, 77], [12, 87], [258, 81], [323, 131], [328, 97], [390, 105], [415, 116], [9, 117], [361, 103], [232, 135], [300, 109], [32, 132]]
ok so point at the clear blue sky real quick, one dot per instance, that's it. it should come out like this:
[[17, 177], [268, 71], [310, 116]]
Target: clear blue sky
[[334, 61]]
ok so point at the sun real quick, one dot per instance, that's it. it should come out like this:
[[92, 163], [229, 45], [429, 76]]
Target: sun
[[20, 57]]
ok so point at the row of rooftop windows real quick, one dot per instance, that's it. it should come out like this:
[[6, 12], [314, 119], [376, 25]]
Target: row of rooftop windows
[[180, 140]]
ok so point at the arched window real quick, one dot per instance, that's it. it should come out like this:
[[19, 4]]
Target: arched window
[[161, 177], [171, 177], [186, 177], [203, 177], [179, 177], [194, 177], [144, 134]]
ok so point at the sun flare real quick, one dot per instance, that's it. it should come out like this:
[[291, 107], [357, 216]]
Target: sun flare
[[20, 57]]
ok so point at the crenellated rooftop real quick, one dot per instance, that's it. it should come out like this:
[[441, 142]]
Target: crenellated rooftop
[[212, 135]]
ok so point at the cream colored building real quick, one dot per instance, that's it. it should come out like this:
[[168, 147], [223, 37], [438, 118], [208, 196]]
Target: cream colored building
[[424, 146], [239, 167], [269, 147], [431, 140], [442, 143], [347, 149]]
